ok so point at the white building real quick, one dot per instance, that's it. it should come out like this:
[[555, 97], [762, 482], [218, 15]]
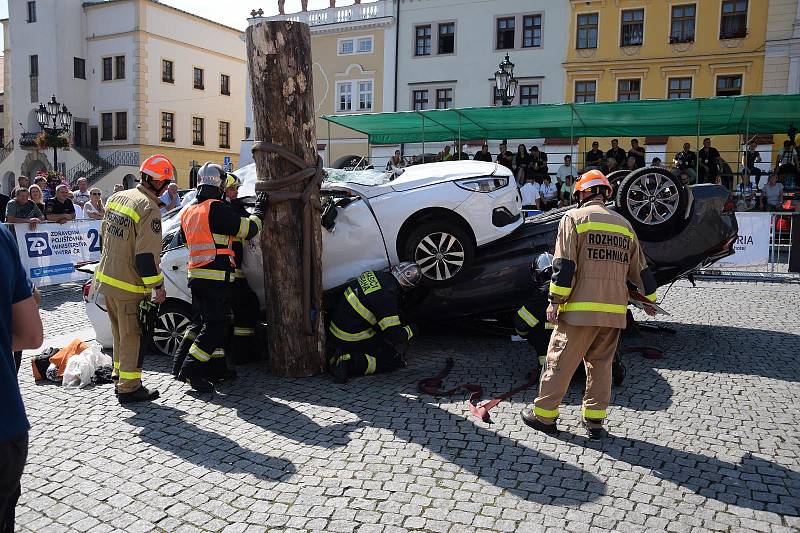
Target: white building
[[139, 77], [782, 49]]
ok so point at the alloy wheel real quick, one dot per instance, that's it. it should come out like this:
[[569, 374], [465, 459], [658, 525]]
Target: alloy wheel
[[168, 332], [439, 255], [652, 199]]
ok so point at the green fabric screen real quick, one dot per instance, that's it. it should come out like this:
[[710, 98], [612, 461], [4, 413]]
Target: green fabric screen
[[757, 114]]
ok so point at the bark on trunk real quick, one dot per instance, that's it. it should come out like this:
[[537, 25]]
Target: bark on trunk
[[279, 57]]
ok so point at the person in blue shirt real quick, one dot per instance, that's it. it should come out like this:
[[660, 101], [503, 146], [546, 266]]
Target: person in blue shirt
[[20, 329]]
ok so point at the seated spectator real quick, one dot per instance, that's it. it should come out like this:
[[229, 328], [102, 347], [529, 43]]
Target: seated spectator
[[171, 199], [522, 164], [630, 164], [656, 162], [709, 163], [21, 209], [530, 195], [395, 162], [41, 182], [749, 159], [53, 181], [594, 157], [772, 196], [567, 191], [686, 161], [445, 154], [60, 209], [81, 196], [611, 165], [786, 164], [505, 157], [94, 208], [37, 197], [637, 152], [617, 154], [549, 194], [566, 170], [24, 182], [460, 154], [484, 154], [538, 164]]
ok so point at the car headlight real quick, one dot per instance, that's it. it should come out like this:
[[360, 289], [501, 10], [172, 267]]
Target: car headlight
[[485, 184]]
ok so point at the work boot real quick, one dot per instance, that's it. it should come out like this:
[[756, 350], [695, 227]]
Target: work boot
[[530, 420], [142, 394], [594, 428], [200, 384], [341, 371], [227, 374]]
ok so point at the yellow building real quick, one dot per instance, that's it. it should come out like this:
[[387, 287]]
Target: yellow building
[[638, 49]]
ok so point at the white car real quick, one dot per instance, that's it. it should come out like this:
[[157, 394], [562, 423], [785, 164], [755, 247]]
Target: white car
[[436, 214]]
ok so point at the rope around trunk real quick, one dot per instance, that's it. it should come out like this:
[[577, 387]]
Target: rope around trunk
[[278, 192]]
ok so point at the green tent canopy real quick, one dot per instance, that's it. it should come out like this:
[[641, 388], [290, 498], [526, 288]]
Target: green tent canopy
[[748, 115]]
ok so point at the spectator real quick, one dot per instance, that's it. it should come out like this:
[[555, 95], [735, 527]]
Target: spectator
[[786, 166], [686, 161], [530, 195], [549, 194], [567, 190], [637, 152], [24, 182], [566, 170], [505, 157], [460, 155], [749, 159], [81, 196], [538, 164], [171, 199], [656, 162], [41, 182], [709, 162], [395, 162], [521, 163], [617, 154], [118, 187], [53, 181], [630, 164], [445, 154], [611, 165], [37, 197], [4, 199], [94, 208], [20, 329], [60, 208], [484, 154], [594, 157], [772, 197], [21, 209]]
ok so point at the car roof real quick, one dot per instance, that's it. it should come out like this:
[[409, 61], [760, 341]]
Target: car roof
[[452, 170]]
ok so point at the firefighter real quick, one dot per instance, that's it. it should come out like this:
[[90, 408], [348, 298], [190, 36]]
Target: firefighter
[[596, 253], [245, 302], [210, 227], [531, 321], [365, 328], [129, 270]]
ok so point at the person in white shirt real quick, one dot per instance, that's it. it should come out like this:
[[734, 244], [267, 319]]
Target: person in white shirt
[[549, 194], [81, 196], [171, 199], [530, 195], [567, 169], [94, 208]]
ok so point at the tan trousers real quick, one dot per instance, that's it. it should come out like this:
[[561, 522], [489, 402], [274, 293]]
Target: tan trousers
[[125, 328], [569, 345]]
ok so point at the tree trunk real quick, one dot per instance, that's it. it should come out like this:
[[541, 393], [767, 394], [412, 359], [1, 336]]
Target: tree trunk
[[279, 58]]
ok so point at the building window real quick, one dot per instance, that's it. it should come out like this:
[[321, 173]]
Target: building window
[[420, 99], [505, 33], [119, 67], [167, 71], [422, 45], [365, 95], [224, 134], [528, 94], [682, 26], [444, 98], [632, 30], [34, 78], [531, 31], [108, 68], [79, 68], [628, 90], [167, 127], [225, 84], [364, 45], [198, 78], [679, 88], [587, 31], [585, 91], [344, 96], [34, 66], [734, 19], [2, 136], [197, 131], [346, 47], [729, 85], [447, 38], [31, 12], [106, 126], [122, 126]]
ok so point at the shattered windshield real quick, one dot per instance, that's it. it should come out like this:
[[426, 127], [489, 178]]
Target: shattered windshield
[[359, 177]]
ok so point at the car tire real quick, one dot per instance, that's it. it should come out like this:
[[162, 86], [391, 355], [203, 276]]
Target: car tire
[[443, 250], [615, 177], [654, 202], [174, 316]]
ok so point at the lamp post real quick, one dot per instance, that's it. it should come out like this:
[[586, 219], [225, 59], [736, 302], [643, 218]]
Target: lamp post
[[505, 82], [54, 119]]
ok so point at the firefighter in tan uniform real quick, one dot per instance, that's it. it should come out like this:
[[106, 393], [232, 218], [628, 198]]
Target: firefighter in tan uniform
[[596, 253], [129, 270]]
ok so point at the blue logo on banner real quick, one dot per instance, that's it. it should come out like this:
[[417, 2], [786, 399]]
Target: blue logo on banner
[[52, 270], [38, 244]]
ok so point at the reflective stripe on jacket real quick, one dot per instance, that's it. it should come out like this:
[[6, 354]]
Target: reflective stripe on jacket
[[203, 245]]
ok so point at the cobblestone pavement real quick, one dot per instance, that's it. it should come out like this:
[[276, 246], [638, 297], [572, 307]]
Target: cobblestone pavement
[[703, 439]]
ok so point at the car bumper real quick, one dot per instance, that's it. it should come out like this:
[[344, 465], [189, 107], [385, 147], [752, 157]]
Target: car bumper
[[493, 215]]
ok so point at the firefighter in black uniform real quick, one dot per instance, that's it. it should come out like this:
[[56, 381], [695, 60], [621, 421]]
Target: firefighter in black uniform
[[242, 347], [365, 328], [210, 227], [531, 321]]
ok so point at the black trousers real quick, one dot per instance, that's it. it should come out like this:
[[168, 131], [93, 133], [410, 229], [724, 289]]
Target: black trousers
[[539, 338], [243, 345], [373, 356], [14, 452], [211, 305]]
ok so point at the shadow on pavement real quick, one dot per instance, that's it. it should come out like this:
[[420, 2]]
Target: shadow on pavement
[[164, 427]]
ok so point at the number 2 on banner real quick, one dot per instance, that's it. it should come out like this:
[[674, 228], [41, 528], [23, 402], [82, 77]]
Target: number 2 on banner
[[94, 237]]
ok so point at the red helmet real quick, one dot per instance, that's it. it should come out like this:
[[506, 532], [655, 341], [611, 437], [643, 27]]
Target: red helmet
[[157, 167], [591, 179]]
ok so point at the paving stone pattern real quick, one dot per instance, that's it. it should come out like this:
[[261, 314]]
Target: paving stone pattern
[[704, 439]]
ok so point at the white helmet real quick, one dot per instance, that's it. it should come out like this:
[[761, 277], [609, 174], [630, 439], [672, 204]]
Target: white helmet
[[407, 274], [210, 174]]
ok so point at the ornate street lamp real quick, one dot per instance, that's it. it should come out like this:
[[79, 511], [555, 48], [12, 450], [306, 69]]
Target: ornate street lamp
[[505, 82], [54, 119]]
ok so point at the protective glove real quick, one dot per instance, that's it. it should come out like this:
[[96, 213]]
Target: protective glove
[[329, 216], [262, 202]]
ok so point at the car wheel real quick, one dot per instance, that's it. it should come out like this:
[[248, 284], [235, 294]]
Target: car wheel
[[654, 202], [443, 251], [173, 319]]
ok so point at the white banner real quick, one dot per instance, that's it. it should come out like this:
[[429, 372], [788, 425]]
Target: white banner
[[50, 252], [752, 246]]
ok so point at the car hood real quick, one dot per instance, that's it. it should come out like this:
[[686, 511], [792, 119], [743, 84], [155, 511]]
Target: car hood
[[434, 173]]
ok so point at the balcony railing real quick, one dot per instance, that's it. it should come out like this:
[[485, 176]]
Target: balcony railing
[[334, 15], [6, 150], [27, 140]]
